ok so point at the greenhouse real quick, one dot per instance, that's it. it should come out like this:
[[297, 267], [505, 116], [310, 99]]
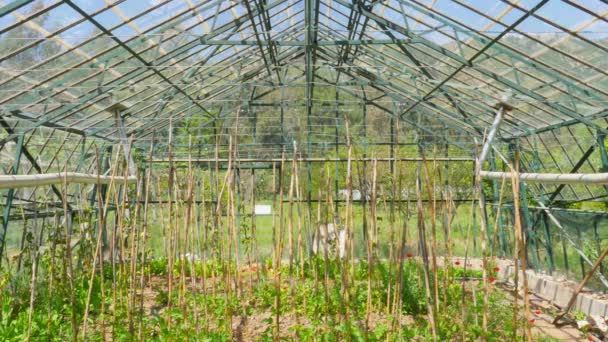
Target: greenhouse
[[303, 170]]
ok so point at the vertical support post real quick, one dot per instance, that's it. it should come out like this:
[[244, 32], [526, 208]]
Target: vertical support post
[[530, 234], [392, 145], [10, 195], [477, 178], [601, 142], [392, 170], [104, 165], [496, 193], [282, 108], [255, 119], [337, 154], [474, 185], [548, 245], [491, 134], [446, 196], [419, 143], [363, 182], [564, 249], [309, 69], [579, 241], [598, 244], [118, 108]]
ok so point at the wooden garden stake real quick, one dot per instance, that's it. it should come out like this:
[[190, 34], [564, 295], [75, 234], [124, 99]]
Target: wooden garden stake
[[521, 249], [431, 199], [144, 239]]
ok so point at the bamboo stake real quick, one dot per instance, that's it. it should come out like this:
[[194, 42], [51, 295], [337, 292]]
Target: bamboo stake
[[402, 219], [34, 258], [424, 256], [279, 254], [326, 258], [521, 244], [170, 226], [348, 266], [197, 248], [431, 199], [317, 271], [496, 219], [204, 248], [189, 233], [144, 239], [371, 243], [300, 217], [253, 240], [444, 224], [290, 227], [102, 216], [52, 274], [466, 256], [134, 243], [69, 274], [484, 261]]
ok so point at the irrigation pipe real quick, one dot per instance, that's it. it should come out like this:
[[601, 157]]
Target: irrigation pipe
[[27, 181], [552, 178]]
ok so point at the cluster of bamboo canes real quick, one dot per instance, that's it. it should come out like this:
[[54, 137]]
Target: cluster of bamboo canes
[[201, 215]]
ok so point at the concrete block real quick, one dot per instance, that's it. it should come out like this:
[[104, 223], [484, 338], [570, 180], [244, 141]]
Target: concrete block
[[598, 308]]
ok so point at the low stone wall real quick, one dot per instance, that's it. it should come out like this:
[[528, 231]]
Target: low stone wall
[[555, 290]]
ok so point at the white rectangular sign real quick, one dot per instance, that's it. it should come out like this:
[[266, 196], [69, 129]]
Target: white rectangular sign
[[263, 210]]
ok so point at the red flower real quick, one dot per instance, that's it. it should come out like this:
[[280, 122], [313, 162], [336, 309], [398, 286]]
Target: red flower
[[457, 263], [537, 312], [590, 338], [496, 269], [409, 255], [532, 320], [492, 279]]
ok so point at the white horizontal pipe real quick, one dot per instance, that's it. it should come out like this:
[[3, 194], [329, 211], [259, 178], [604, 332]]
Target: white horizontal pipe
[[316, 160], [28, 181], [551, 178]]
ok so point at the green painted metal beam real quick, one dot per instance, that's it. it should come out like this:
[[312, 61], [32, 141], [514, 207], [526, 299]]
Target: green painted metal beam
[[469, 62], [480, 107], [501, 48], [394, 89], [353, 42], [191, 74], [463, 147], [434, 46], [137, 56], [259, 40], [598, 115], [134, 74], [187, 106]]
